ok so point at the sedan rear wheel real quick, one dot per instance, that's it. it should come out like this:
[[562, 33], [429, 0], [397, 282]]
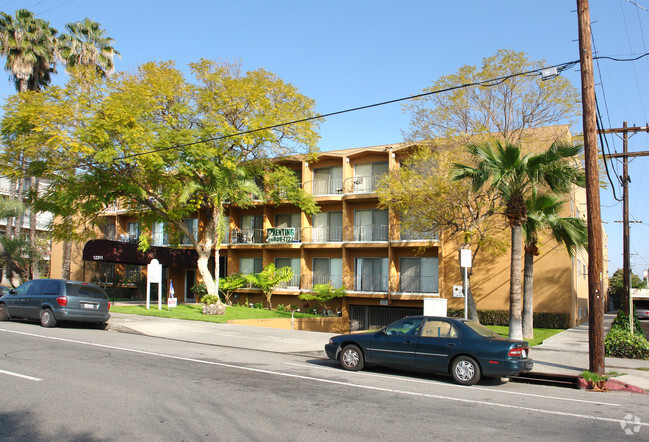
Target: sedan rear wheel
[[3, 313], [47, 318], [351, 358], [465, 370]]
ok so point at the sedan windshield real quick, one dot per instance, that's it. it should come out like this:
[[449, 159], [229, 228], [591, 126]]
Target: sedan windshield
[[481, 330]]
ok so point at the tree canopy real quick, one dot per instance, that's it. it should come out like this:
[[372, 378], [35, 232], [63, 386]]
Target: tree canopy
[[164, 147], [505, 108]]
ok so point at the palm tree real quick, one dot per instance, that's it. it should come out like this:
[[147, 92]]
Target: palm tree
[[29, 44], [514, 177], [86, 45], [543, 213]]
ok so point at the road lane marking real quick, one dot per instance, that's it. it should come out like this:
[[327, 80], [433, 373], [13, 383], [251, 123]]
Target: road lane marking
[[473, 387], [18, 375], [332, 381]]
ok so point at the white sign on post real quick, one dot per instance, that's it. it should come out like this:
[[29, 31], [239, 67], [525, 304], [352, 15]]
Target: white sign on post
[[465, 263], [154, 276]]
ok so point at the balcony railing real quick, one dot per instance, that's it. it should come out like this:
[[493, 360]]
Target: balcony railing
[[293, 284], [323, 234], [327, 187], [362, 184], [368, 233], [335, 280], [413, 235], [371, 283], [418, 284], [247, 236]]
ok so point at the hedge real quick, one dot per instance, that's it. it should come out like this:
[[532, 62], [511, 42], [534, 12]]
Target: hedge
[[501, 317]]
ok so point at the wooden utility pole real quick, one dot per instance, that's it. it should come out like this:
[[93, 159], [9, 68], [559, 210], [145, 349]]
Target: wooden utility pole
[[626, 249], [595, 255]]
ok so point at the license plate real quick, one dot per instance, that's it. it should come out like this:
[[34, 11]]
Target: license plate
[[89, 306]]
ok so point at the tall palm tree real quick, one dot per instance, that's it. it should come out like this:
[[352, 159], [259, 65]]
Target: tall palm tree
[[514, 177], [543, 214], [29, 45], [85, 44]]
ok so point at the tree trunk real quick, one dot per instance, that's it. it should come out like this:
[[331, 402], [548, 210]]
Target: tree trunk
[[472, 309], [528, 296], [204, 270], [33, 264], [515, 322], [66, 263]]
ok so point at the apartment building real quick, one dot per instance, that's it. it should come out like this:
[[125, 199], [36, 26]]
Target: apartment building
[[352, 242]]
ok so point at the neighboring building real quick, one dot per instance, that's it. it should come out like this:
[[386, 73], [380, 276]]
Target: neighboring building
[[351, 242], [43, 221]]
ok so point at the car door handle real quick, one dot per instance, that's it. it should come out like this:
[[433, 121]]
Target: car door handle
[[450, 344]]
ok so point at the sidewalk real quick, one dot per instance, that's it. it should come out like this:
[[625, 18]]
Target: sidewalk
[[565, 353]]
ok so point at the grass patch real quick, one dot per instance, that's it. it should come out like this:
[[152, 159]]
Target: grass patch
[[195, 313], [540, 334]]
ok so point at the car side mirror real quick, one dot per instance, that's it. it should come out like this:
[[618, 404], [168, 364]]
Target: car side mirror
[[12, 292]]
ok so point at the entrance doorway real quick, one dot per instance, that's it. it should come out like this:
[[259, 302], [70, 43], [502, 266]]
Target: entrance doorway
[[190, 280]]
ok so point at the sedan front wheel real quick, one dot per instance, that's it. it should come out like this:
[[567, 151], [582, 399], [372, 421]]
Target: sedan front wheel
[[465, 370], [351, 358]]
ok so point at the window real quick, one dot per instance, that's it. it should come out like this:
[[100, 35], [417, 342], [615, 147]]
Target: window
[[250, 266], [371, 225], [287, 221], [108, 230], [251, 229], [407, 326], [294, 264], [367, 176], [439, 329], [133, 232], [192, 226], [371, 274], [160, 235], [328, 270], [327, 227], [328, 181], [419, 275]]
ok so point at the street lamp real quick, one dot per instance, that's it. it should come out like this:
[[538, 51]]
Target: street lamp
[[293, 319]]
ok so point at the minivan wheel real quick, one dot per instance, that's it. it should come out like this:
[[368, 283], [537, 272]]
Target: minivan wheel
[[351, 358], [47, 318], [3, 313]]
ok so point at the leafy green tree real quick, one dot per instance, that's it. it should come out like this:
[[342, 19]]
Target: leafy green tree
[[616, 286], [29, 46], [324, 293], [86, 44], [268, 279], [230, 284], [428, 201], [506, 108], [514, 177], [543, 213], [168, 149]]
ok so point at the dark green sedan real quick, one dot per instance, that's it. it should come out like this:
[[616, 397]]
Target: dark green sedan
[[464, 349]]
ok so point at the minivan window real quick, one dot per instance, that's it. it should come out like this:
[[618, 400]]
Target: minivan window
[[84, 290], [53, 288], [37, 287]]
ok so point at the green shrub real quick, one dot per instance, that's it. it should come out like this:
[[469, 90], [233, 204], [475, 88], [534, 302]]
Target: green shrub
[[199, 290], [621, 322], [280, 308], [209, 299], [501, 317], [621, 343]]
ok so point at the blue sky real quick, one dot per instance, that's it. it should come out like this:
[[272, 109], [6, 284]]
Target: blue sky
[[356, 52]]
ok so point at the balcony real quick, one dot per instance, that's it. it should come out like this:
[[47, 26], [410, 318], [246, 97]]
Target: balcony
[[371, 283], [414, 235], [247, 236], [418, 284], [293, 284], [335, 280], [362, 184], [327, 187], [324, 234], [370, 233]]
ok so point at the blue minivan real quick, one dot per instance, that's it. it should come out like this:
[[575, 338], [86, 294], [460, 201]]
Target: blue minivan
[[54, 300]]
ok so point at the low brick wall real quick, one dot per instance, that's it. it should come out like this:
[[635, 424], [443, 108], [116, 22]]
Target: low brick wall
[[328, 325]]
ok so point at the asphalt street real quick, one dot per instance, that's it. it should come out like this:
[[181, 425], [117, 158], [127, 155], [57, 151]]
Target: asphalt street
[[71, 383]]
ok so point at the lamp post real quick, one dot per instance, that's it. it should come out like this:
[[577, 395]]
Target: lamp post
[[293, 319]]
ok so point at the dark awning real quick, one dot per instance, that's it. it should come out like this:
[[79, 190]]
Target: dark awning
[[104, 250]]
